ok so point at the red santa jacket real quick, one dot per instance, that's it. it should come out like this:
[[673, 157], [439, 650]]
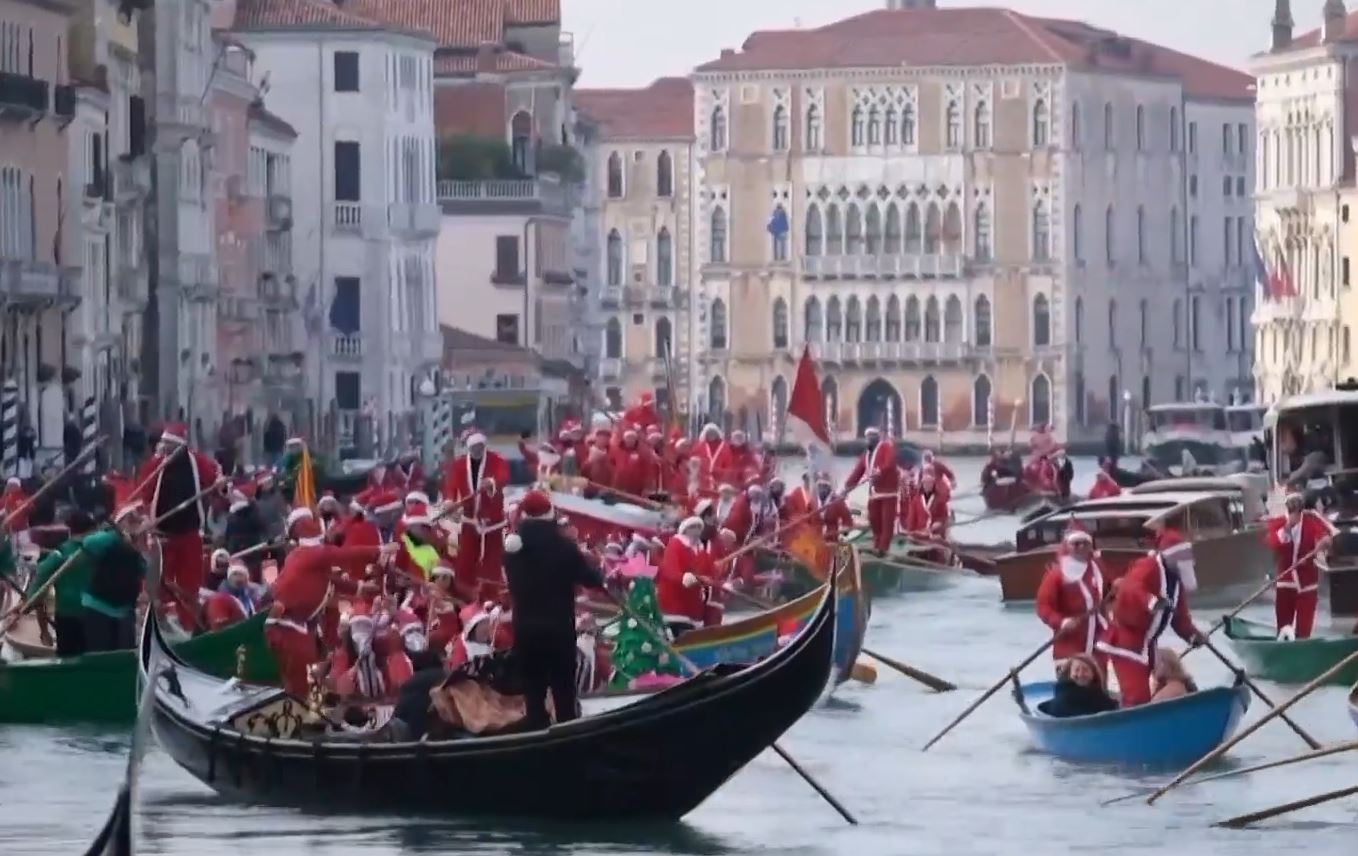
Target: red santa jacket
[[734, 464], [706, 451], [1059, 597], [749, 521], [831, 518], [481, 499], [1104, 486], [1291, 546], [304, 584], [223, 610], [878, 466], [182, 478], [1136, 625], [680, 601], [633, 467], [14, 497], [926, 516]]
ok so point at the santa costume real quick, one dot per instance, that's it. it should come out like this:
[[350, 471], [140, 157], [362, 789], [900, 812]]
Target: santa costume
[[683, 582], [1105, 486], [474, 483], [878, 465], [1070, 600], [1296, 547]]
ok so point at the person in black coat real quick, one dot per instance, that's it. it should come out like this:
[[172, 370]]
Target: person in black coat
[[542, 570], [245, 529], [1079, 690]]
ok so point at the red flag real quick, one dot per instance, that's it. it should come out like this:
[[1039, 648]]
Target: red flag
[[806, 413]]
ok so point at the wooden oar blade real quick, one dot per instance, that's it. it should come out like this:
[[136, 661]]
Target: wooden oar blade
[[1244, 820]]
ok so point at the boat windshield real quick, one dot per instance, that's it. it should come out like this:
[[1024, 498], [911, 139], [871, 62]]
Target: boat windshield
[[1170, 454], [1245, 419], [1309, 434], [1110, 529], [1189, 416]]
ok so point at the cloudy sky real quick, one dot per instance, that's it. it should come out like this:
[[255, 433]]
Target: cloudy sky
[[631, 42]]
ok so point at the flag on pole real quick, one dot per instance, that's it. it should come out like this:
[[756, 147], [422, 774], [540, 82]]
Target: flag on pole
[[304, 490], [806, 414], [1261, 275], [1282, 278]]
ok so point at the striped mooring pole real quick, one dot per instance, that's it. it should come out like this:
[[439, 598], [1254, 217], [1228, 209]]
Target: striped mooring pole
[[9, 428], [89, 429]]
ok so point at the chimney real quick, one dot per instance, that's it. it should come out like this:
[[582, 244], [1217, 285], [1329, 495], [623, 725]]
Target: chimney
[[911, 4], [1334, 17], [485, 56], [1282, 25]]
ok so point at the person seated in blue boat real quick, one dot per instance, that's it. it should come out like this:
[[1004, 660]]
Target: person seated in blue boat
[[1079, 690], [1170, 679]]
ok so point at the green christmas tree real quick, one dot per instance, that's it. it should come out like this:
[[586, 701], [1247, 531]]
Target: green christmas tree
[[635, 650]]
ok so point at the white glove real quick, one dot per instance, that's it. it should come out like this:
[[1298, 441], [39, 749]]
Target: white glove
[[1285, 535], [1069, 623], [489, 484], [690, 579]]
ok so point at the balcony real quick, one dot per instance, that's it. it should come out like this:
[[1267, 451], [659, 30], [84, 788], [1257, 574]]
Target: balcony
[[346, 347], [131, 285], [611, 295], [198, 277], [347, 217], [184, 110], [22, 97], [63, 101], [503, 196], [279, 212], [949, 266], [898, 353], [657, 369], [131, 179], [610, 368], [418, 219], [40, 283], [278, 293], [660, 296]]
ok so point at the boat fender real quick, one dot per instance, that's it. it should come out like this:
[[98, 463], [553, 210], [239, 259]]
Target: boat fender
[[513, 543], [1287, 634]]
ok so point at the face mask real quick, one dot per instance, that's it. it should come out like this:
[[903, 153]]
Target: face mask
[[415, 642], [362, 638]]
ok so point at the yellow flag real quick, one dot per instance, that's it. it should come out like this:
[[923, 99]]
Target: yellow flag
[[811, 551], [304, 490]]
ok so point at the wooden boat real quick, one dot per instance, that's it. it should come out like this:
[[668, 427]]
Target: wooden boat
[[101, 688], [1229, 554], [1353, 705], [1296, 662], [753, 638], [247, 743], [1008, 494], [597, 520], [1167, 734]]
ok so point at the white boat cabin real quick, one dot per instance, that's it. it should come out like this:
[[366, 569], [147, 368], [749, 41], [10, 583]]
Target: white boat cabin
[[1251, 488], [1121, 521], [1312, 442], [1189, 436]]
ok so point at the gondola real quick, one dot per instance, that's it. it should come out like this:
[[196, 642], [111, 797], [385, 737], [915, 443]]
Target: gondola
[[1293, 662], [1163, 734], [656, 759]]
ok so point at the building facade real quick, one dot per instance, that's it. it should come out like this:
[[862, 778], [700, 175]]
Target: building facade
[[641, 173], [358, 92], [1307, 117], [971, 217]]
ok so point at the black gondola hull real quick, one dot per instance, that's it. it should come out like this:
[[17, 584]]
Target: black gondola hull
[[658, 758]]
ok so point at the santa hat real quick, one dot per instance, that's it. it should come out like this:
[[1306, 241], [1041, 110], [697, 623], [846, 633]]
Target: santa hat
[[473, 436], [305, 531], [703, 506], [738, 436], [726, 488], [174, 432], [653, 431], [417, 496], [683, 444], [13, 482], [219, 554], [328, 498], [441, 570], [237, 568], [133, 507], [872, 429], [711, 426], [386, 502], [299, 513], [296, 441], [753, 483], [691, 523], [1076, 533], [630, 430], [536, 505]]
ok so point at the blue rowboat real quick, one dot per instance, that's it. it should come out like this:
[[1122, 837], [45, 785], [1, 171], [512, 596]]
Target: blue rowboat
[[1172, 733]]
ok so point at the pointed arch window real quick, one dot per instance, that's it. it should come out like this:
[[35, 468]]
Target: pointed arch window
[[874, 127], [1140, 234], [834, 321], [933, 230], [1079, 397], [908, 125], [857, 126], [815, 237], [1109, 236], [780, 323], [1076, 126], [664, 340], [1077, 233], [980, 131], [717, 249], [853, 320], [615, 259], [952, 320], [716, 400], [873, 230], [854, 230], [893, 319], [1041, 232], [1140, 128], [1042, 322], [615, 189], [893, 230], [873, 330], [1109, 128], [982, 332], [933, 326], [1040, 408], [779, 227], [928, 402], [1176, 244], [814, 129], [1079, 319], [780, 128], [981, 232], [834, 233], [718, 129], [912, 319], [980, 401], [914, 240], [717, 325], [664, 258], [1041, 124], [891, 128], [952, 121], [613, 339], [813, 322], [664, 175], [1174, 129]]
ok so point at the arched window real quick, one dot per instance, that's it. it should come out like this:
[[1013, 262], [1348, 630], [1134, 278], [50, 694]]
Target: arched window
[[1140, 128], [780, 129], [778, 407], [1042, 322], [815, 237], [615, 260], [1174, 129], [1109, 235], [982, 333], [932, 322], [664, 341], [952, 229], [912, 321], [928, 402], [1079, 395], [813, 324], [1176, 252], [853, 320], [615, 189], [1079, 319], [953, 126], [908, 125], [1041, 123], [1144, 306], [717, 249], [1040, 407], [717, 325], [779, 227], [1178, 323], [716, 400], [913, 232], [780, 323], [1140, 234], [874, 127], [521, 142], [664, 175], [857, 127], [1109, 128], [952, 320], [981, 233], [1041, 232], [980, 401], [1076, 127], [980, 132], [834, 321], [1112, 323], [664, 258], [834, 232], [933, 230], [873, 332], [873, 230], [814, 133], [1077, 233], [853, 229], [718, 139], [829, 391], [891, 128], [893, 319], [613, 339], [892, 246]]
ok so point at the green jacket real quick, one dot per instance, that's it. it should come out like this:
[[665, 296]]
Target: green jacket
[[102, 546], [72, 583], [8, 567]]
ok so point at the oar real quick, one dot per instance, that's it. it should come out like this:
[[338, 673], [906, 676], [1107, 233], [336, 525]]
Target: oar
[[1227, 774], [644, 502], [1260, 723], [1012, 673], [1245, 820], [760, 541], [1249, 682], [933, 682], [258, 548], [54, 480], [688, 664], [1260, 592]]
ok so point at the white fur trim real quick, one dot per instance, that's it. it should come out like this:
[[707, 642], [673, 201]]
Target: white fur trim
[[297, 514], [690, 579], [691, 523], [513, 543], [310, 542], [444, 570], [1078, 535], [475, 438], [418, 496], [220, 554], [239, 505], [14, 482], [418, 519], [390, 506], [703, 506]]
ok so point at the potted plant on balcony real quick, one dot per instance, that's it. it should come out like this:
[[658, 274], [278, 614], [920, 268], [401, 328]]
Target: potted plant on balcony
[[563, 161], [471, 157]]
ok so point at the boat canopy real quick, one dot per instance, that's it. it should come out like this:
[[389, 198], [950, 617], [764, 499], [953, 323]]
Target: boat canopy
[[1321, 424]]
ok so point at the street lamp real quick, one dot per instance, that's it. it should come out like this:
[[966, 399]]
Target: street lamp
[[1127, 419]]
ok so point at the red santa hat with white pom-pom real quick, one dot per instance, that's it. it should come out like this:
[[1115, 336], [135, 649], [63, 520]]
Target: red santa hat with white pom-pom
[[535, 505]]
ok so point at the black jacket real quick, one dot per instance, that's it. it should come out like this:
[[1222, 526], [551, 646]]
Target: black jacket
[[542, 576], [1071, 699], [244, 529]]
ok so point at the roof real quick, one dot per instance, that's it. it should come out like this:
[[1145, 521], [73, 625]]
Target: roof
[[454, 23], [1326, 398], [470, 107], [455, 339], [272, 121], [297, 14], [664, 109], [528, 13], [446, 64], [1160, 487], [1312, 38], [1186, 405], [888, 38]]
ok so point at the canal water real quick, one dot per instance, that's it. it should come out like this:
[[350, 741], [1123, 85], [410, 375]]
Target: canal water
[[982, 790]]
